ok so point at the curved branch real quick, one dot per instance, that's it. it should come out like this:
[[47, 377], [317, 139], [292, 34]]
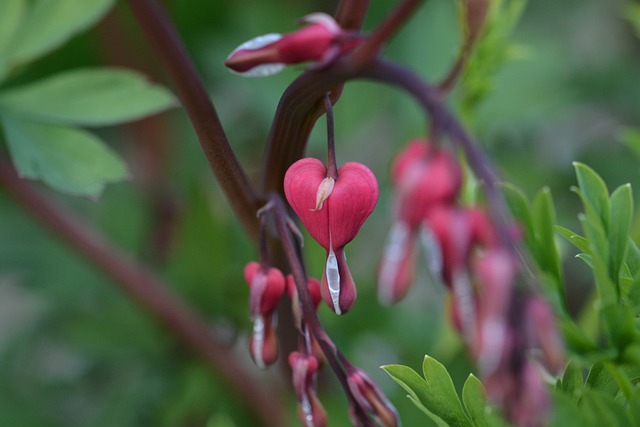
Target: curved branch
[[149, 291], [163, 37]]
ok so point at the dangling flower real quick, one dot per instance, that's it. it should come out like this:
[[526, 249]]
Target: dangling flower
[[304, 368], [321, 40], [371, 399], [333, 211], [266, 287], [425, 177]]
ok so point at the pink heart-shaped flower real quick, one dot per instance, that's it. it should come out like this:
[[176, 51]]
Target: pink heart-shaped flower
[[338, 220], [333, 212]]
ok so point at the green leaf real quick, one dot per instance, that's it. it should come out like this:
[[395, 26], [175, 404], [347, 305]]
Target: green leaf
[[417, 388], [88, 97], [603, 409], [13, 12], [575, 239], [572, 381], [544, 218], [567, 414], [50, 23], [633, 260], [444, 400], [594, 191], [634, 407], [600, 379], [475, 401], [70, 160], [621, 204]]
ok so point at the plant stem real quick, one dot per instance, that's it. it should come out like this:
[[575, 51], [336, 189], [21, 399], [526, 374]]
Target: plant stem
[[372, 44], [329, 349], [332, 167], [150, 292], [163, 37]]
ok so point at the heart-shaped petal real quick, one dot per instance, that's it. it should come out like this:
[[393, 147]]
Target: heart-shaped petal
[[353, 197]]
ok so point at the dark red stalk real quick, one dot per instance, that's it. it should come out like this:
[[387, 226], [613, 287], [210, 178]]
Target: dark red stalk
[[332, 167], [333, 356], [164, 39], [151, 293]]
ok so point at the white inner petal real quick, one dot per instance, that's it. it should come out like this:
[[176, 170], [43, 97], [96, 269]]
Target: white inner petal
[[258, 341], [261, 70], [432, 251], [392, 257], [307, 410], [257, 42], [333, 280], [463, 292]]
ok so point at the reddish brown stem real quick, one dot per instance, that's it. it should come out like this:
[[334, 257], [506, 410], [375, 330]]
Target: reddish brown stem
[[150, 292], [372, 45], [163, 37], [332, 167]]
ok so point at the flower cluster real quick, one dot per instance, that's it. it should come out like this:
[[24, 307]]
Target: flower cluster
[[464, 252]]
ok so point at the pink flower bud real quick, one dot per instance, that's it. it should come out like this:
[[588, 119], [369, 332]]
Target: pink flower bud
[[425, 176], [334, 222], [310, 410], [266, 288], [264, 55], [371, 399], [543, 332]]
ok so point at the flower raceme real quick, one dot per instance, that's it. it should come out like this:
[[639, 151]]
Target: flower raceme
[[266, 287], [425, 178], [321, 40], [333, 212]]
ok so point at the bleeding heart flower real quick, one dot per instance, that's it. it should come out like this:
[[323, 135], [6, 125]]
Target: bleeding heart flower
[[266, 287], [310, 410], [371, 399], [322, 40], [425, 177], [333, 212]]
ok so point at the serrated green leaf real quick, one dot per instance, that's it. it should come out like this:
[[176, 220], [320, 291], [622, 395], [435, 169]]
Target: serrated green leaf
[[416, 386], [444, 400], [88, 97], [575, 239], [13, 12], [633, 259], [567, 414], [575, 337], [634, 407], [603, 410], [600, 379], [621, 204], [475, 401], [50, 23], [70, 160], [572, 381], [594, 190]]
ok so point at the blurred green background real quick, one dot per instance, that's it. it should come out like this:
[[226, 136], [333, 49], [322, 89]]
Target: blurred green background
[[74, 351]]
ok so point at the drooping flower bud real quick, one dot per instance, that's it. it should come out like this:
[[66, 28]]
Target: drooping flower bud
[[397, 264], [543, 333], [310, 410], [371, 399], [425, 176], [321, 40], [266, 287], [333, 218]]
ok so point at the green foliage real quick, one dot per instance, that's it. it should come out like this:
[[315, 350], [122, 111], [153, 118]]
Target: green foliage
[[492, 49], [435, 395], [38, 118], [66, 158]]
